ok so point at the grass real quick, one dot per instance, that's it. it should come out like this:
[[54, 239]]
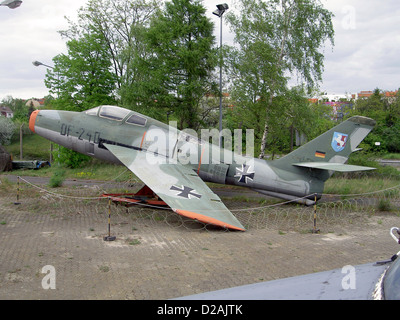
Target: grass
[[342, 186], [94, 170], [391, 156], [134, 242], [384, 205], [34, 147], [38, 148], [57, 178]]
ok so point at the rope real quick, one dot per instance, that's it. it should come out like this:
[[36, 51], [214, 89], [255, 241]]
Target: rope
[[232, 210], [56, 194]]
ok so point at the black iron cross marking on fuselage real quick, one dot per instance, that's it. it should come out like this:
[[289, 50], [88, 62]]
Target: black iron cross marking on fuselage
[[185, 192], [244, 173]]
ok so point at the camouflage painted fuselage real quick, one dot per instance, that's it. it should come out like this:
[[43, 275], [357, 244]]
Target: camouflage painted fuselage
[[87, 132], [175, 164]]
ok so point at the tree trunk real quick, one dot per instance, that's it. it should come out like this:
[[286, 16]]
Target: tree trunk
[[287, 13], [264, 140], [265, 133], [291, 137]]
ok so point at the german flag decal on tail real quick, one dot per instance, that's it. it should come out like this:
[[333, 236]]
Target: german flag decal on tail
[[320, 154]]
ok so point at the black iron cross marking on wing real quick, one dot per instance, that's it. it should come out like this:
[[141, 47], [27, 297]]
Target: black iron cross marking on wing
[[185, 192], [244, 173]]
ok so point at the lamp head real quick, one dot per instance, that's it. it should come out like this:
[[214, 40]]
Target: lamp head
[[221, 8]]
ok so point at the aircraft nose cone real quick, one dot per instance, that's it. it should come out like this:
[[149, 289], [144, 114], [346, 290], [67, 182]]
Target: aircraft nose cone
[[32, 120]]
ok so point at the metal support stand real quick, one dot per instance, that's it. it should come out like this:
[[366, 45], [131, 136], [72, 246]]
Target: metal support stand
[[109, 237], [17, 202], [315, 230]]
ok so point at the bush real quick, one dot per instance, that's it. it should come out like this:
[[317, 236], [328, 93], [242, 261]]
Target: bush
[[7, 128], [69, 158], [57, 178], [384, 205], [361, 159]]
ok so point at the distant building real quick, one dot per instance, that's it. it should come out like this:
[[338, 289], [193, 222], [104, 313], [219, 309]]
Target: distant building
[[36, 103], [336, 97], [339, 109], [6, 112], [366, 94], [313, 100], [391, 95], [340, 104]]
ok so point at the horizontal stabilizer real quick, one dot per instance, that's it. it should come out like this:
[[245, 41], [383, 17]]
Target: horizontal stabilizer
[[332, 166]]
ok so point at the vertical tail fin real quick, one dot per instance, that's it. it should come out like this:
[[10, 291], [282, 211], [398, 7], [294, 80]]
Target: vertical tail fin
[[332, 147]]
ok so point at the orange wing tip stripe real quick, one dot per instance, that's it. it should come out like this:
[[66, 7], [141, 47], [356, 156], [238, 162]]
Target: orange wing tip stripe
[[32, 120], [206, 219]]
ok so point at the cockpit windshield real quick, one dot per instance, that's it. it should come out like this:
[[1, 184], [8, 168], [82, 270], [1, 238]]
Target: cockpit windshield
[[116, 113], [113, 112], [109, 112], [93, 111]]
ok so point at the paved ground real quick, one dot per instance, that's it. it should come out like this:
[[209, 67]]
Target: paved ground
[[154, 258]]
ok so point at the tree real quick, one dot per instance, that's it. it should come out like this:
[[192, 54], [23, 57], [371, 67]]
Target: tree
[[119, 23], [82, 78], [295, 114], [178, 68], [7, 128], [386, 112], [290, 113], [277, 38]]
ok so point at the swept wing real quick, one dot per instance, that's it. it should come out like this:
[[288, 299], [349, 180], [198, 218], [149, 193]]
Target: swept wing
[[178, 186]]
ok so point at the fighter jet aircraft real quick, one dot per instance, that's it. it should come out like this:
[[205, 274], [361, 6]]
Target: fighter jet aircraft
[[175, 165]]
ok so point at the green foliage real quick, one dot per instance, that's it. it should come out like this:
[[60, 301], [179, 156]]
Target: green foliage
[[154, 59], [120, 24], [384, 205], [386, 112], [57, 178], [276, 38], [176, 72], [289, 113], [7, 128], [364, 159], [82, 79], [69, 158], [35, 147], [19, 108]]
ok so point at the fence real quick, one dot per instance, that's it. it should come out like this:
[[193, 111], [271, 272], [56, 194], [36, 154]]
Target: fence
[[349, 200]]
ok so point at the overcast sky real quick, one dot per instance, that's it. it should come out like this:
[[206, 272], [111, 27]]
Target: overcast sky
[[365, 55]]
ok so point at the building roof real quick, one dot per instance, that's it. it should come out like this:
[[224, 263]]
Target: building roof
[[33, 102], [5, 109]]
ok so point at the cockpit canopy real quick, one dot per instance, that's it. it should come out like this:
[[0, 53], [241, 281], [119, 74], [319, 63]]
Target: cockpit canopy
[[117, 114]]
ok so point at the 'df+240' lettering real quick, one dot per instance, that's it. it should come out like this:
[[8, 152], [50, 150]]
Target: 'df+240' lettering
[[68, 130]]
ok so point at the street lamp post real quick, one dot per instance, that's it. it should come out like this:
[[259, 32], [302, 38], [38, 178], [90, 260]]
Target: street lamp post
[[221, 8], [37, 64], [12, 4]]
